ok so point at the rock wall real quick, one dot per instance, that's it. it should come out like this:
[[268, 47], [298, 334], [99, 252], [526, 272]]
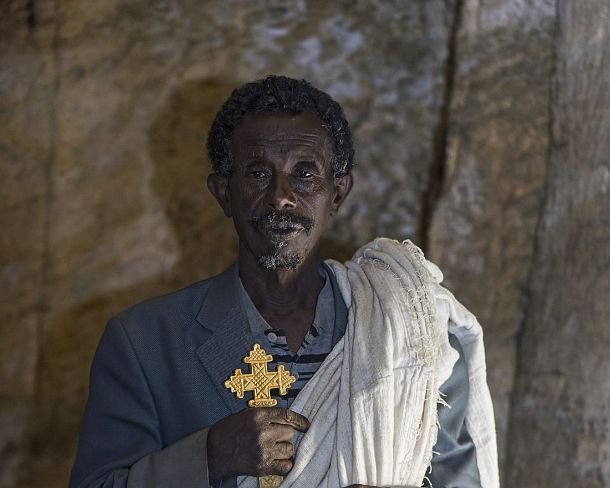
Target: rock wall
[[482, 231], [27, 87], [561, 405], [104, 108]]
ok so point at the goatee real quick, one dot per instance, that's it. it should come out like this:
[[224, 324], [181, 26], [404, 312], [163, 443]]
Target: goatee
[[277, 260]]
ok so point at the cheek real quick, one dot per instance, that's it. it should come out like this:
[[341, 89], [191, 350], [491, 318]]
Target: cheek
[[240, 207], [320, 210], [315, 194], [243, 195], [249, 192]]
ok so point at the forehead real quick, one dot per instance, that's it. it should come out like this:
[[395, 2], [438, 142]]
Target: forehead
[[282, 131]]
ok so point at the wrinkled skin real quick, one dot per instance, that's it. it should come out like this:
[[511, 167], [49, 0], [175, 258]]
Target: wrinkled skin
[[254, 442], [280, 195]]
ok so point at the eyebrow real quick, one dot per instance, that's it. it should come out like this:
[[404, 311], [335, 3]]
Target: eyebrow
[[313, 162]]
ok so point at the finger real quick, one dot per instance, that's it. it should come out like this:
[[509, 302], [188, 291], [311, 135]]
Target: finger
[[283, 450], [286, 416], [279, 467], [271, 434]]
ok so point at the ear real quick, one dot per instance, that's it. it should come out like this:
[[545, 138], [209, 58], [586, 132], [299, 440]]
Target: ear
[[343, 185], [219, 187]]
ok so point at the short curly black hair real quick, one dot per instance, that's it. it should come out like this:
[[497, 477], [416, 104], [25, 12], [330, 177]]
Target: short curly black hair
[[275, 95]]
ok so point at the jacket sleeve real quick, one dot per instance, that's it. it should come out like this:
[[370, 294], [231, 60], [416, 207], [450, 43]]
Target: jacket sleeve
[[454, 463], [120, 441]]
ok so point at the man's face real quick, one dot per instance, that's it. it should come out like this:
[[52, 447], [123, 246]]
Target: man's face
[[282, 192]]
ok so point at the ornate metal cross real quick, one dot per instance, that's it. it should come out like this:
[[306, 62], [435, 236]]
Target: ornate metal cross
[[259, 380]]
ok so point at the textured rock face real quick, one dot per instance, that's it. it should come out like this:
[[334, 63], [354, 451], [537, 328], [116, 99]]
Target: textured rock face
[[561, 407], [26, 87], [482, 230]]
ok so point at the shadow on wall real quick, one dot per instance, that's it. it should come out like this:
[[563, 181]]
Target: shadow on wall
[[177, 146], [207, 245]]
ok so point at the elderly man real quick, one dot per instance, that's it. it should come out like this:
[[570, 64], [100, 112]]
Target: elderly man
[[159, 412]]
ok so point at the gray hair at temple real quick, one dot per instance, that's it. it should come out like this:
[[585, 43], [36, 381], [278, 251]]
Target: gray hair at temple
[[278, 95]]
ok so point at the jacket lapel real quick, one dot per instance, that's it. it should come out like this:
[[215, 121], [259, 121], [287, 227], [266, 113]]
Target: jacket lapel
[[230, 339]]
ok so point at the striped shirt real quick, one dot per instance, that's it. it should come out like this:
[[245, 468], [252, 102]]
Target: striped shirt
[[316, 344]]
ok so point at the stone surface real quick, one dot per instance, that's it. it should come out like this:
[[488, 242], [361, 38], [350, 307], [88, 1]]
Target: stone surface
[[26, 148], [560, 435], [483, 225]]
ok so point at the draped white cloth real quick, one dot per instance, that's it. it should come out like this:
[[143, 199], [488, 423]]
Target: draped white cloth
[[373, 402]]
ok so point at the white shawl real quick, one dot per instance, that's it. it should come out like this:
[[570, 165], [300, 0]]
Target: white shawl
[[373, 402]]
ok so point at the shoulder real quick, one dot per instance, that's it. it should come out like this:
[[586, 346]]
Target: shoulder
[[174, 310]]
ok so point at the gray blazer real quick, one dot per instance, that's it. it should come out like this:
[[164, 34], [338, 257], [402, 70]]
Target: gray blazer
[[156, 386]]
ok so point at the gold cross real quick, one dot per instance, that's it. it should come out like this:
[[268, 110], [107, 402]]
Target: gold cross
[[259, 380]]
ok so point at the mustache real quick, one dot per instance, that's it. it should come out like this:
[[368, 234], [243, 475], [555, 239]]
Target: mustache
[[281, 217]]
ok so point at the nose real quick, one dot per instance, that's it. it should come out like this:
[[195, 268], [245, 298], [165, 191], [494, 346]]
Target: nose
[[281, 193]]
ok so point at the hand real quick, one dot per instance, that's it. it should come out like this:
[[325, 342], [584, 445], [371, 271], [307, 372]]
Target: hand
[[255, 442]]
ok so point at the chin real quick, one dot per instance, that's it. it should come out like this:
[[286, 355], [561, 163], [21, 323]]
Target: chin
[[274, 262]]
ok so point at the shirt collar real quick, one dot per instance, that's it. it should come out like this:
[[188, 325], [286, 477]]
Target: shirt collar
[[324, 306]]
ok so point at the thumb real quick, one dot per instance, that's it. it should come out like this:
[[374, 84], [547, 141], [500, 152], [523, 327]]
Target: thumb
[[288, 417]]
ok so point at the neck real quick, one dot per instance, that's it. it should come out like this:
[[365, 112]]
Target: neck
[[281, 291]]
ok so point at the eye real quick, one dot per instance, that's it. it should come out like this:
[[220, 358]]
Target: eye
[[257, 174], [303, 173]]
